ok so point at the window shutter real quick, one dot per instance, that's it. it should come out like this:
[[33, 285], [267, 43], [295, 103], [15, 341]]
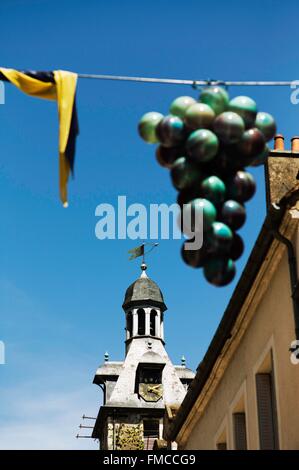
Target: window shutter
[[221, 446], [266, 412], [240, 431]]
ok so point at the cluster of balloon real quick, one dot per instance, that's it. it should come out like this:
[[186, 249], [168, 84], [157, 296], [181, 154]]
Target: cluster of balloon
[[207, 144]]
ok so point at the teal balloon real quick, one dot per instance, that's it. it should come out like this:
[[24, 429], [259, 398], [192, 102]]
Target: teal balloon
[[261, 158], [180, 105], [147, 126], [220, 237], [215, 97], [202, 145], [229, 127], [266, 124], [219, 271], [185, 174], [171, 131], [191, 216], [233, 214], [244, 107], [199, 116], [214, 189]]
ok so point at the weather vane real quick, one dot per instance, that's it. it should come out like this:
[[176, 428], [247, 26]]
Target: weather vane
[[140, 251]]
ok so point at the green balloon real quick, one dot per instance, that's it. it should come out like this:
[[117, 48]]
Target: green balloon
[[219, 271], [202, 145], [215, 97], [213, 189], [245, 107], [266, 124], [184, 174], [180, 105], [221, 237], [199, 116], [191, 216], [147, 126]]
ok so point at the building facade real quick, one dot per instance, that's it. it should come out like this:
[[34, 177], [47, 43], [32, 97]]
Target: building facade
[[245, 393], [139, 390]]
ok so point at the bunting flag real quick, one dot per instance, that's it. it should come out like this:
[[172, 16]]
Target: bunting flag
[[60, 86]]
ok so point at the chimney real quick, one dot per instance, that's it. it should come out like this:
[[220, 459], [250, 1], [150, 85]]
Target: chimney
[[295, 144], [279, 142], [281, 169]]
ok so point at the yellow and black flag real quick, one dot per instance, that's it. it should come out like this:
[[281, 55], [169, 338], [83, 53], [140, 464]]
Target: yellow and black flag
[[60, 86]]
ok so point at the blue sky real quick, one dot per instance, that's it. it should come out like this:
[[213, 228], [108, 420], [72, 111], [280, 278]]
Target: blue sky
[[61, 289]]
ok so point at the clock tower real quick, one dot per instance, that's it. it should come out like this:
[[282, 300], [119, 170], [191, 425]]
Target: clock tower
[[139, 390]]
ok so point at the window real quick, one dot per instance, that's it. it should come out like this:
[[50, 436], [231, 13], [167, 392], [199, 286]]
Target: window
[[141, 321], [153, 322], [266, 405], [221, 446], [150, 432], [129, 324], [151, 375], [221, 440], [239, 424]]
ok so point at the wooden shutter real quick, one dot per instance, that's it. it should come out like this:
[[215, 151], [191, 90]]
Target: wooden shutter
[[221, 446], [239, 421], [267, 416]]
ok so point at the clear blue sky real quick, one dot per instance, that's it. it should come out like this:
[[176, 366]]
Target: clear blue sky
[[61, 289]]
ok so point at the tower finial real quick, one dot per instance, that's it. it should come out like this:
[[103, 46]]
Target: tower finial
[[106, 356], [139, 251], [183, 361]]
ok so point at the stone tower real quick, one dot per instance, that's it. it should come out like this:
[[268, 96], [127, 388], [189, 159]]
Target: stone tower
[[138, 390]]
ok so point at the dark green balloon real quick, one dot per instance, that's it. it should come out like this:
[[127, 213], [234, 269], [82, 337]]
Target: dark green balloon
[[245, 107], [251, 145], [185, 174], [220, 237], [229, 127], [166, 156], [261, 158], [233, 214], [237, 247], [171, 131], [215, 97], [194, 258], [147, 126], [266, 124], [213, 188], [186, 195], [241, 186], [202, 145], [219, 271]]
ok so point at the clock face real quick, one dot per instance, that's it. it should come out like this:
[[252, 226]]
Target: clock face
[[151, 392]]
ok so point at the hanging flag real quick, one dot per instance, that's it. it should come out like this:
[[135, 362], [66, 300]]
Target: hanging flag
[[136, 252], [60, 86]]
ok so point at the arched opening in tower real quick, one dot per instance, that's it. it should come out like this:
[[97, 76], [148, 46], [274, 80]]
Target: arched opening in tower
[[141, 321], [153, 322]]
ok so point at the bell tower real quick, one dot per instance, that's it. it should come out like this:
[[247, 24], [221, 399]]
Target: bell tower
[[144, 309], [138, 390]]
